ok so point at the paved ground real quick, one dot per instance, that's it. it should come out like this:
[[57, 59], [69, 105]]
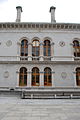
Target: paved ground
[[13, 108]]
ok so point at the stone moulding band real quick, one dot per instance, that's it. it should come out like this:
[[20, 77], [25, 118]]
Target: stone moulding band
[[24, 25]]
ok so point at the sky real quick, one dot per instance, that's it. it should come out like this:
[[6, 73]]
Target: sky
[[67, 11]]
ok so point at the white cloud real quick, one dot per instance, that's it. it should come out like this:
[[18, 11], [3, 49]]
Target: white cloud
[[1, 1]]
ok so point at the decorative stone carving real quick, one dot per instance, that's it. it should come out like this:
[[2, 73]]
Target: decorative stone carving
[[6, 74], [64, 75], [9, 43], [18, 43], [62, 43]]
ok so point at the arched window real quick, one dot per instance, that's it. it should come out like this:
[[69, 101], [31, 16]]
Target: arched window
[[24, 48], [23, 77], [76, 47], [35, 77], [47, 48], [78, 76], [35, 48], [47, 77]]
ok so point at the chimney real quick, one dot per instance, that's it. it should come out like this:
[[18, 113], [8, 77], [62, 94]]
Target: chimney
[[52, 10], [19, 10]]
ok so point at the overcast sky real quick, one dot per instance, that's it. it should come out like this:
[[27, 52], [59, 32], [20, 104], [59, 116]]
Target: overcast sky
[[67, 11]]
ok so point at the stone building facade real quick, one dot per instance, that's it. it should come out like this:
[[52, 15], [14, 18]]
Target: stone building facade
[[39, 54]]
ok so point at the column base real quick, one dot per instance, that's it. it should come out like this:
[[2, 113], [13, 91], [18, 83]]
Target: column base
[[52, 59], [41, 58], [29, 58]]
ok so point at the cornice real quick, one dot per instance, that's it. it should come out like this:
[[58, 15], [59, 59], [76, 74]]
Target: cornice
[[24, 25]]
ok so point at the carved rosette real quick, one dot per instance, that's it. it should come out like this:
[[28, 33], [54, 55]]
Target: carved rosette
[[64, 75], [62, 43], [6, 74], [9, 43]]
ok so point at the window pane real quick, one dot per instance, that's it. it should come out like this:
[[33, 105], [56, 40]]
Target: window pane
[[49, 51], [44, 51], [25, 79]]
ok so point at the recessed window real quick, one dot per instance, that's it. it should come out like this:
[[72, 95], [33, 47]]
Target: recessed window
[[47, 48], [35, 48], [47, 77], [24, 48], [78, 76], [76, 47], [23, 77], [35, 77]]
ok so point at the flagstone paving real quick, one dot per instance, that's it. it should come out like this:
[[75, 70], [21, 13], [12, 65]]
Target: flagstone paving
[[14, 108]]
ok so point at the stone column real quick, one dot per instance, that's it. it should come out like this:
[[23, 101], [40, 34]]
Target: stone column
[[29, 76], [53, 73], [52, 51], [41, 78], [41, 52], [30, 52]]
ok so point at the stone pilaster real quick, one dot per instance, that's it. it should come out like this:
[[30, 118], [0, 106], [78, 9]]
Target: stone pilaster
[[52, 51], [17, 82], [29, 78], [41, 52], [41, 78], [29, 52], [72, 51], [74, 75], [18, 50], [53, 73]]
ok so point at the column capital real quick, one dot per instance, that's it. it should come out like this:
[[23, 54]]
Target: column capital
[[17, 71], [30, 43], [18, 43], [53, 72], [52, 43], [71, 44], [41, 43], [74, 72]]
